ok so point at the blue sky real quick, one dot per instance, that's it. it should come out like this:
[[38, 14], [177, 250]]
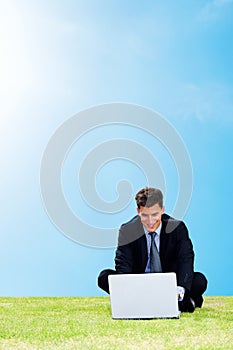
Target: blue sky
[[58, 58]]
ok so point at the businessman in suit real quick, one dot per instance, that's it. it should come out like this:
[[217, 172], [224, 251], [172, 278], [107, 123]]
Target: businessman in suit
[[155, 242]]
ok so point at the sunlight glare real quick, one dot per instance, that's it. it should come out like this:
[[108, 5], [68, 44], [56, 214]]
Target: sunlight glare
[[14, 65]]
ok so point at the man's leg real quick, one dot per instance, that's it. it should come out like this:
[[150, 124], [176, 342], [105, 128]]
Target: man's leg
[[198, 287], [193, 298], [103, 279]]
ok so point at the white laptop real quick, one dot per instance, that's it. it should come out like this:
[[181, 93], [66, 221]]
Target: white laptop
[[144, 296]]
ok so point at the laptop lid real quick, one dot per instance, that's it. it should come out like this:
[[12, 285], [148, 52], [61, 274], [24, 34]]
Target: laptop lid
[[144, 296]]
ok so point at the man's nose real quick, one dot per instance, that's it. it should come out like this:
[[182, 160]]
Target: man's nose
[[151, 220]]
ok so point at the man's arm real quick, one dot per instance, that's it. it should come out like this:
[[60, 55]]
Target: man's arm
[[185, 257], [124, 255]]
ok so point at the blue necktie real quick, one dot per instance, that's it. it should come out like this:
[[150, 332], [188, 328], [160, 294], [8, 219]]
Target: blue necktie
[[155, 264]]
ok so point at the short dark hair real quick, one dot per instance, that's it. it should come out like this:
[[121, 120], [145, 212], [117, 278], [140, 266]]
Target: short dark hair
[[149, 196]]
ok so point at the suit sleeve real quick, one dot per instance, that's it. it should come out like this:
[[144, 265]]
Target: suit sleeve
[[124, 253], [185, 257]]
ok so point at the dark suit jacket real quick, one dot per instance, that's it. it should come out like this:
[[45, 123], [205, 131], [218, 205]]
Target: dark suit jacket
[[176, 249]]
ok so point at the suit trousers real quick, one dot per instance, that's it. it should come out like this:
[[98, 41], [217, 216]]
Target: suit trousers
[[199, 285]]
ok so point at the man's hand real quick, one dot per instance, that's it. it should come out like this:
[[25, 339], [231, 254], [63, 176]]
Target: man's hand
[[180, 293]]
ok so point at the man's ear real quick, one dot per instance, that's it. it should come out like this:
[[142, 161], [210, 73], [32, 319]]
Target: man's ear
[[163, 208], [138, 210]]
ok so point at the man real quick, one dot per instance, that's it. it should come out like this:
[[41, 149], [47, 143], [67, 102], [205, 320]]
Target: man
[[155, 242]]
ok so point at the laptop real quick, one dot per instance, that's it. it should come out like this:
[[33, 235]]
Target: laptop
[[144, 296]]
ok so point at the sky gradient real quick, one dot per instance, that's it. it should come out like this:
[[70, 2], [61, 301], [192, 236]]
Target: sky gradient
[[58, 58]]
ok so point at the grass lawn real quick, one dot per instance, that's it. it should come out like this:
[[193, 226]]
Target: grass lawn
[[86, 323]]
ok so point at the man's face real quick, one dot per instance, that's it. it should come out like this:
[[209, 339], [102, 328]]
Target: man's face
[[151, 216]]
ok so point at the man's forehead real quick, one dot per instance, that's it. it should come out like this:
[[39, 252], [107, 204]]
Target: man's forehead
[[151, 210]]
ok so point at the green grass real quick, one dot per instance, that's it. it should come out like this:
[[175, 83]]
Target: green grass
[[86, 323]]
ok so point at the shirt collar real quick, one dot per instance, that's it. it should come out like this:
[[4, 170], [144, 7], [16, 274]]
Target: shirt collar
[[158, 230]]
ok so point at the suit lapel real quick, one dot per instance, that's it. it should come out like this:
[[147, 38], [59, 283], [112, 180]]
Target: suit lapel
[[163, 242], [142, 246]]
